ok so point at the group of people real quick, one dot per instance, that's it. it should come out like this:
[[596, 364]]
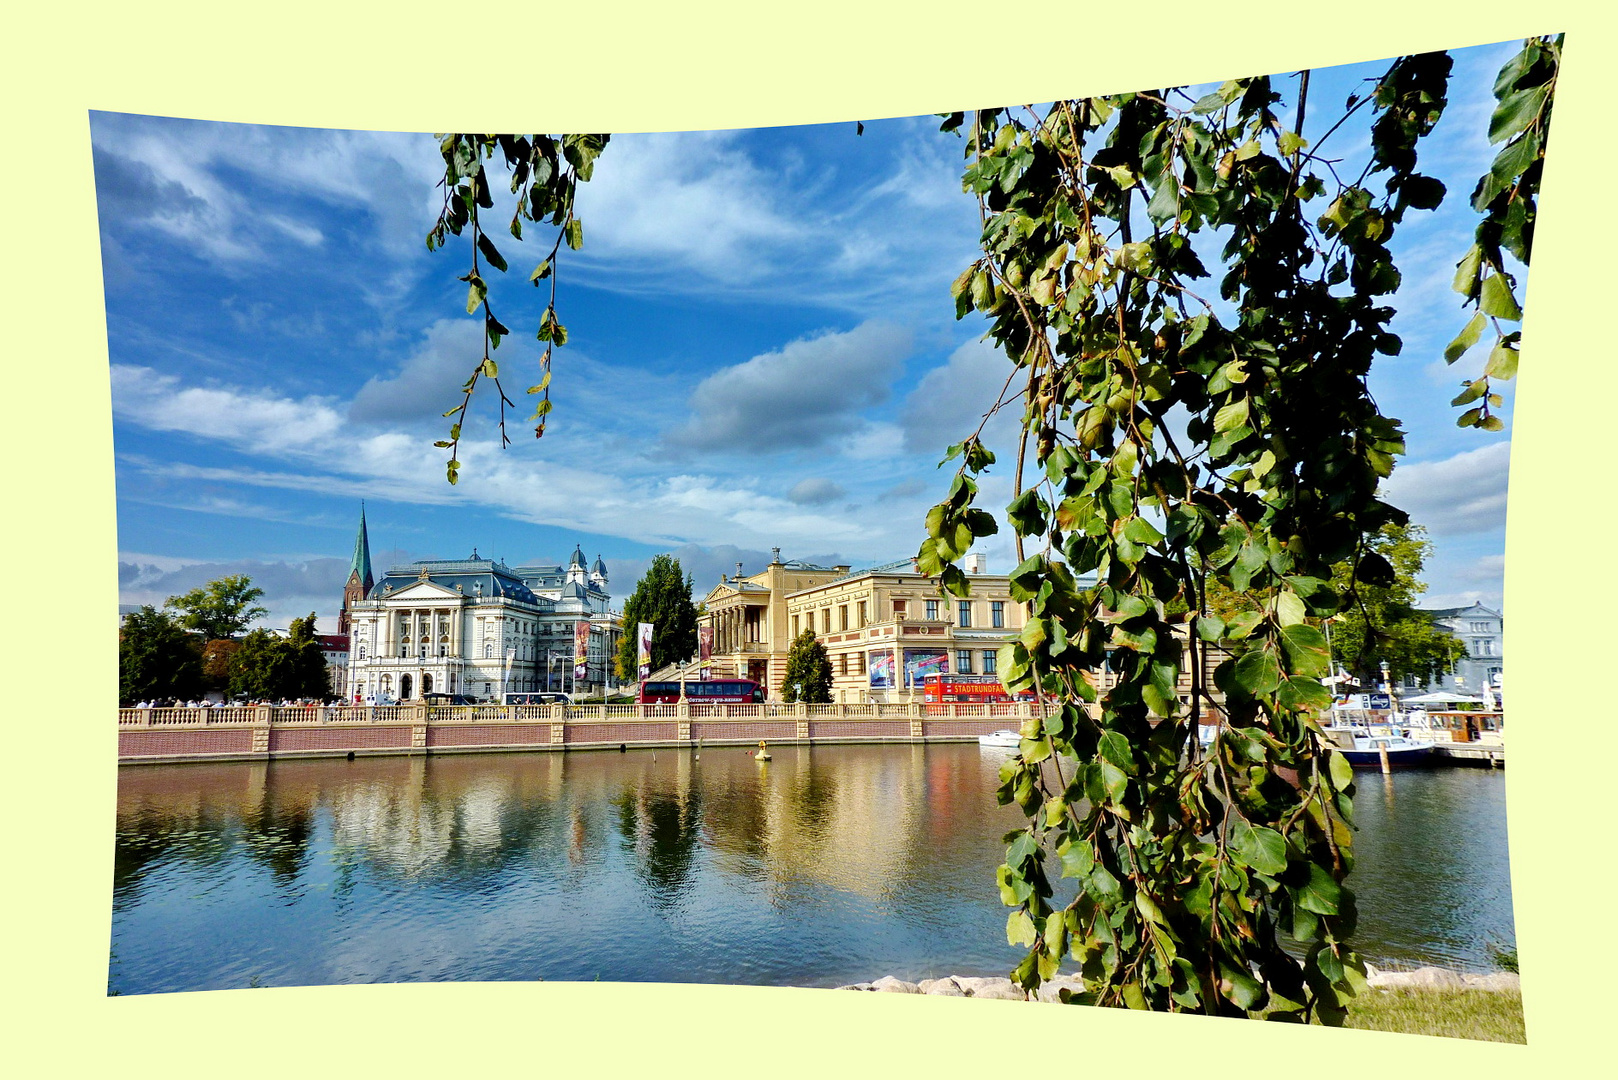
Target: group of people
[[170, 703]]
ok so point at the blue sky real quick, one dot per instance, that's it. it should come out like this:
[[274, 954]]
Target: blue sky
[[762, 352]]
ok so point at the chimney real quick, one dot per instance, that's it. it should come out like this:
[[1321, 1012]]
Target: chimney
[[974, 562]]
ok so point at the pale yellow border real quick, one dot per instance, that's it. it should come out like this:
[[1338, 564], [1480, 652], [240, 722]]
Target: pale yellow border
[[644, 66]]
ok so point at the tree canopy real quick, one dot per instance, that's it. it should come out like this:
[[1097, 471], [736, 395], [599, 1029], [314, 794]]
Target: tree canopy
[[221, 609], [662, 597], [1381, 624], [270, 668], [808, 671], [157, 659]]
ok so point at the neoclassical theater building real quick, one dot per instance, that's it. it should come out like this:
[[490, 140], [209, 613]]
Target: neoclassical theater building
[[473, 626]]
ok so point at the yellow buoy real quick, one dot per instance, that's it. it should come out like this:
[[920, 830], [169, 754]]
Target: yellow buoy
[[763, 753]]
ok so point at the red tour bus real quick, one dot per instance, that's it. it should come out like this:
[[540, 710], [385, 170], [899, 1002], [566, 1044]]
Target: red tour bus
[[711, 692], [968, 689]]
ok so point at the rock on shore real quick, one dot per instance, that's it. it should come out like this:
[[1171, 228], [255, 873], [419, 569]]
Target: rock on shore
[[1423, 978]]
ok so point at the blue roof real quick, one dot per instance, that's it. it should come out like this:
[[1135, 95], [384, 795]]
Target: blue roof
[[476, 577]]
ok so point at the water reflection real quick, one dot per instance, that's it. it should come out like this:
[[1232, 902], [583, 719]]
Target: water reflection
[[827, 865]]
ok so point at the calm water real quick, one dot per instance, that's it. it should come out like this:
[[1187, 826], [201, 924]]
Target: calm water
[[829, 865]]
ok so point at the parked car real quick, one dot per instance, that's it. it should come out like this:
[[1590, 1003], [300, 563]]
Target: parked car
[[448, 699]]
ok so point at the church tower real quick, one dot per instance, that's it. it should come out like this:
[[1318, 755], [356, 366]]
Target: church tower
[[359, 575]]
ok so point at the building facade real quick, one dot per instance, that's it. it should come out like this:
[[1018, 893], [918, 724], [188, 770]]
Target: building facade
[[475, 627], [884, 628], [1484, 632]]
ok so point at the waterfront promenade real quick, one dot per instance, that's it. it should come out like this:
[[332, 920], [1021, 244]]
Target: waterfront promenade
[[263, 731], [260, 731]]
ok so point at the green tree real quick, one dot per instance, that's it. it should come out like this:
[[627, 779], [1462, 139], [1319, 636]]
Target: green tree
[[267, 667], [1178, 441], [157, 659], [1221, 453], [662, 597], [220, 609], [808, 674], [1380, 623]]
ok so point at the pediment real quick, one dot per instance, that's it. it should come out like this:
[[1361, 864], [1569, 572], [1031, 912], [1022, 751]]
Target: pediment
[[424, 591]]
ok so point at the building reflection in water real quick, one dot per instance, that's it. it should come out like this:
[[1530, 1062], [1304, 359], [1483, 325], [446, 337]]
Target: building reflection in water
[[831, 863]]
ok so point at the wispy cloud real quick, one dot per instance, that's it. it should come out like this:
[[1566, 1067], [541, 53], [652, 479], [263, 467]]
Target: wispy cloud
[[1458, 495]]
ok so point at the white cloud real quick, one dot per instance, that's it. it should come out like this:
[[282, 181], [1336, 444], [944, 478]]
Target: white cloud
[[950, 401], [805, 394], [250, 420], [1457, 495], [687, 197]]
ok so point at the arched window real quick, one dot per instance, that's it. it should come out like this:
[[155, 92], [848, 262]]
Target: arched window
[[404, 687], [362, 653], [426, 684], [488, 652]]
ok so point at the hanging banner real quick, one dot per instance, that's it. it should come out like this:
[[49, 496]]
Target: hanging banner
[[705, 651], [581, 651], [645, 649]]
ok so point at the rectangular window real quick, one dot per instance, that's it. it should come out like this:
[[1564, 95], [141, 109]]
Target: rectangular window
[[988, 662], [795, 630], [997, 614], [842, 664], [963, 662], [898, 609], [932, 609], [965, 608], [862, 612], [842, 616], [862, 663], [825, 620]]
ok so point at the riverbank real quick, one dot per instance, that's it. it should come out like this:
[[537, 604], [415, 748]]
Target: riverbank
[[1423, 1001]]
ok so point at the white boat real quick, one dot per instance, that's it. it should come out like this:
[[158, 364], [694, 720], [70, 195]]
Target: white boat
[[1403, 752], [1007, 739]]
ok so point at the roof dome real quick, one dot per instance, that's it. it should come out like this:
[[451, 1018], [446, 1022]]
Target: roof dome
[[577, 562], [599, 568]]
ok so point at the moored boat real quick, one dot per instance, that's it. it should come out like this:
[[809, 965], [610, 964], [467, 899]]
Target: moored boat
[[1402, 752], [1004, 739]]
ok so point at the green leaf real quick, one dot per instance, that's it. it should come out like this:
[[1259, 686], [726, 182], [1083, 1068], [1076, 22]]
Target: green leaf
[[1467, 270], [1258, 671], [1502, 362], [1020, 928], [1306, 649], [1465, 339], [1231, 416], [1261, 848], [490, 252], [574, 230], [1516, 111], [1321, 895], [1497, 300], [1142, 531], [476, 292]]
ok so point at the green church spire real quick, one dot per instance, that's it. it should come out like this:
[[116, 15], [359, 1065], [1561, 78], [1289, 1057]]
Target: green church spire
[[362, 555]]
